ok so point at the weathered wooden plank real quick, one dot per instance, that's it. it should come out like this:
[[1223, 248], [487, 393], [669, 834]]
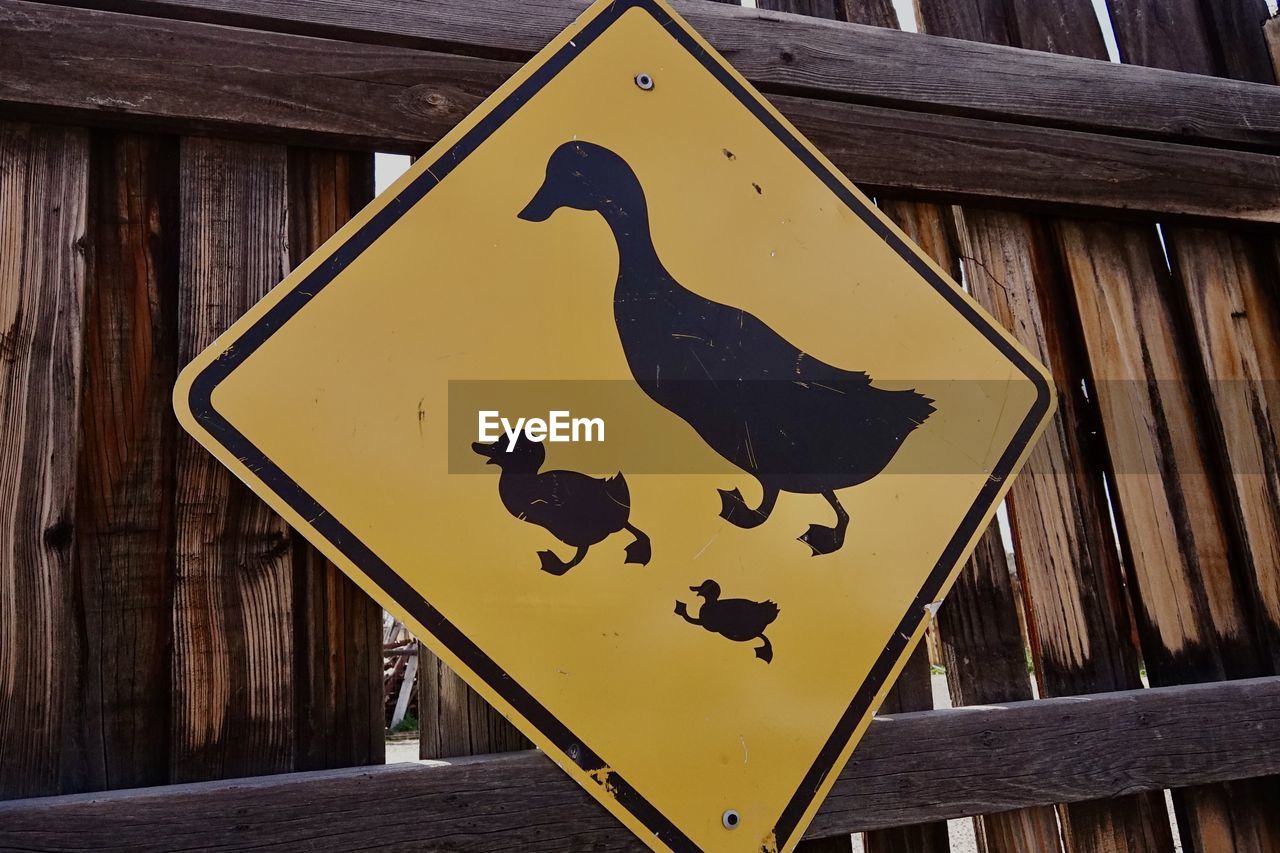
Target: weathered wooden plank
[[454, 720], [1192, 606], [1223, 38], [986, 663], [981, 607], [1228, 284], [43, 193], [232, 601], [1271, 32], [338, 639], [1057, 508], [908, 769], [1193, 611], [128, 69], [784, 53], [124, 528], [1214, 634], [1072, 576]]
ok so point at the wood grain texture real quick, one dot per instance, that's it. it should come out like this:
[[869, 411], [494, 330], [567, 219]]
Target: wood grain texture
[[124, 530], [43, 196], [1214, 273], [985, 656], [909, 769], [454, 720], [153, 72], [1057, 508], [875, 13], [337, 627], [1271, 33], [1193, 609], [791, 54], [1228, 284], [978, 623], [1222, 38], [233, 687]]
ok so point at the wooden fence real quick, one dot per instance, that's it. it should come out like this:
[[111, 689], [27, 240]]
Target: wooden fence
[[164, 162]]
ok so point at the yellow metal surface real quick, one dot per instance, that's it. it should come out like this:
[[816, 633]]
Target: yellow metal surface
[[331, 400]]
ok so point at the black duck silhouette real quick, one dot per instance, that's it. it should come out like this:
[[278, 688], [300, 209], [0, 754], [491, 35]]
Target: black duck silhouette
[[576, 509], [796, 423], [737, 619]]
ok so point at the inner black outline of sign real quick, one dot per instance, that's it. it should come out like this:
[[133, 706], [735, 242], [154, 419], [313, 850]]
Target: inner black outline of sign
[[787, 418], [201, 405]]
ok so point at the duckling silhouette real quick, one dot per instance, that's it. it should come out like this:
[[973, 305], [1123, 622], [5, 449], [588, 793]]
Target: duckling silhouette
[[576, 509], [737, 619], [794, 422]]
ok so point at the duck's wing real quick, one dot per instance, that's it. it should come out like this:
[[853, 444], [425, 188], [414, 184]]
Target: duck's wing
[[577, 508], [746, 616]]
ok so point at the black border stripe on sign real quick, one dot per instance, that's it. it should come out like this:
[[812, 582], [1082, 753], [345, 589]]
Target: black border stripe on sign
[[455, 640]]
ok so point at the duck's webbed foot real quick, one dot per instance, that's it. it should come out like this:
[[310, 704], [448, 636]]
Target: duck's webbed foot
[[765, 652], [639, 551], [828, 540], [734, 509], [553, 565]]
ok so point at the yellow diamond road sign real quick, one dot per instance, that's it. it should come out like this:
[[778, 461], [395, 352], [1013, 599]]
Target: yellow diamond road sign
[[644, 419]]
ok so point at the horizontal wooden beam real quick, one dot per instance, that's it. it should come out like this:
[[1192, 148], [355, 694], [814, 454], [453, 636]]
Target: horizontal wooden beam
[[91, 66], [795, 54], [910, 768]]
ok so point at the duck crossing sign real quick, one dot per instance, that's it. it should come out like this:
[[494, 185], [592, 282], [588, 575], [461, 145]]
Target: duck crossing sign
[[791, 427]]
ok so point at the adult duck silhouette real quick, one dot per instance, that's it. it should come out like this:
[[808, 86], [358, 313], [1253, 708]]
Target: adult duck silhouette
[[576, 509], [737, 619], [796, 423]]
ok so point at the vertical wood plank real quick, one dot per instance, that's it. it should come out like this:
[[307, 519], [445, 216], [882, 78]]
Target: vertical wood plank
[[1222, 38], [1225, 284], [979, 622], [233, 688], [338, 636], [124, 536], [43, 193], [454, 720], [1193, 610], [985, 655], [1071, 570]]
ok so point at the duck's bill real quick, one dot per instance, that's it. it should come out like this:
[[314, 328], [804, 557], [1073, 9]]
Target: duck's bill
[[540, 207], [488, 451]]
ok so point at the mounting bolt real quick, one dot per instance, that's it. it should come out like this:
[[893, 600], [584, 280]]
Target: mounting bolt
[[644, 81], [731, 819]]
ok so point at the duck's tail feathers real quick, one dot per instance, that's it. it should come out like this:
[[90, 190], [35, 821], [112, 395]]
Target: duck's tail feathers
[[915, 407], [616, 488], [765, 652]]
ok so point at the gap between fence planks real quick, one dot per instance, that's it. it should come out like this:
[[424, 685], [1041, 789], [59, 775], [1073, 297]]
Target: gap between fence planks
[[153, 72], [909, 768], [784, 53]]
